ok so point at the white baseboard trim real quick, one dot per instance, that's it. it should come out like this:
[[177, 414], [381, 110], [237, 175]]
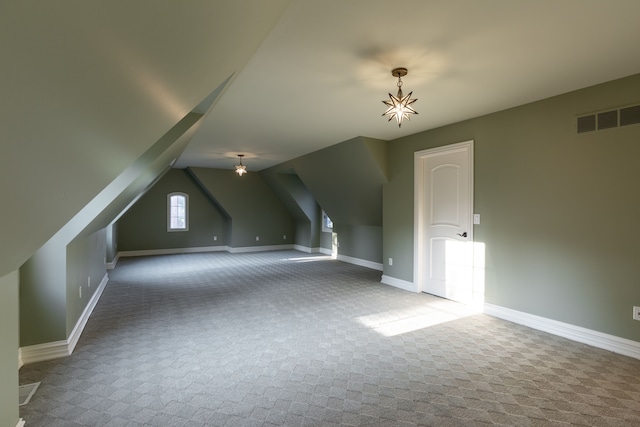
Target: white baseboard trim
[[326, 251], [399, 283], [20, 423], [63, 348], [246, 249], [82, 321], [172, 251], [46, 351], [306, 249], [360, 262], [112, 264], [201, 249], [576, 333]]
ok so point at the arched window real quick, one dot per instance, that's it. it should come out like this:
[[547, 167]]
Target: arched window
[[177, 212]]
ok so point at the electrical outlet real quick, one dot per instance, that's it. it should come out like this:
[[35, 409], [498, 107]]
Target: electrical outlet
[[284, 237], [80, 291], [390, 261], [215, 237], [88, 281], [636, 313], [257, 238], [476, 218]]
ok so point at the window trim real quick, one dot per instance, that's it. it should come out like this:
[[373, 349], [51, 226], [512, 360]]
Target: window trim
[[325, 228], [186, 211]]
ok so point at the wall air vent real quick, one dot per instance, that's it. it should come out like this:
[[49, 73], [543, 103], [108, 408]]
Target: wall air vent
[[608, 119], [630, 115], [587, 123]]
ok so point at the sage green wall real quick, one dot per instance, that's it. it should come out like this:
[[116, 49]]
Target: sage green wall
[[144, 225], [300, 203], [50, 303], [359, 241], [252, 206], [43, 295], [85, 260], [558, 209], [9, 327], [326, 242], [346, 179]]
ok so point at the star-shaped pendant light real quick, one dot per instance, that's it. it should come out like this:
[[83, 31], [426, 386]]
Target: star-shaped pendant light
[[240, 169], [399, 105]]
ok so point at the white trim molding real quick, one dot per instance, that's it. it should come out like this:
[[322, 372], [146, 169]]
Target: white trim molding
[[201, 249], [360, 262], [63, 348], [326, 251], [112, 264], [20, 423], [576, 333], [259, 248], [82, 321], [306, 249], [172, 251], [399, 283]]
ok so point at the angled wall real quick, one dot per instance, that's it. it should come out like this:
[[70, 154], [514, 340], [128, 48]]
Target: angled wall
[[49, 299], [301, 205], [88, 90], [346, 182]]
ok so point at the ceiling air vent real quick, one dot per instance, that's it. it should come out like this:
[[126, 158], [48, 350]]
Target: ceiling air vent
[[608, 119]]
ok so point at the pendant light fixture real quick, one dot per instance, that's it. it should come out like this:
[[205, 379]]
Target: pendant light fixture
[[399, 105], [241, 169]]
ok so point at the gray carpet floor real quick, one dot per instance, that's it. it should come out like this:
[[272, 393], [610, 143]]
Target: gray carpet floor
[[285, 338]]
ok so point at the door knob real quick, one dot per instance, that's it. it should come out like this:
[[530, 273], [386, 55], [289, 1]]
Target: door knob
[[462, 235]]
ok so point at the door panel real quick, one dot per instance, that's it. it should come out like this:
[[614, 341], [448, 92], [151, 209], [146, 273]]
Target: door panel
[[445, 208]]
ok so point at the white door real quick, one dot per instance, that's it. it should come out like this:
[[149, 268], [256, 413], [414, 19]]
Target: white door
[[444, 212]]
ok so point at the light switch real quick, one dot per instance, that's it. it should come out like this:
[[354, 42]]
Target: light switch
[[476, 218]]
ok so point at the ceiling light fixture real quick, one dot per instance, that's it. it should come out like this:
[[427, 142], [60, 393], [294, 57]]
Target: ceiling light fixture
[[241, 169], [399, 105]]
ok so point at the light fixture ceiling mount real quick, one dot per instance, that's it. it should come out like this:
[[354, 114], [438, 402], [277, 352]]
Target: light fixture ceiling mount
[[240, 169], [399, 105]]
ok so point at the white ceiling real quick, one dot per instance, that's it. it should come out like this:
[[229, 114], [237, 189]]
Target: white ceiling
[[320, 75]]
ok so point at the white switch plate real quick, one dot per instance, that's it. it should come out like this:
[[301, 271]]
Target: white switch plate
[[257, 238], [636, 313], [390, 261], [215, 237], [476, 218]]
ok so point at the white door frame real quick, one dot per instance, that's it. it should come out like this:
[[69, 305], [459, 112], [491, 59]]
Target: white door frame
[[419, 270]]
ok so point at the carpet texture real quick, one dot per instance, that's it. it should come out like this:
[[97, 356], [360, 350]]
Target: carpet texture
[[289, 339]]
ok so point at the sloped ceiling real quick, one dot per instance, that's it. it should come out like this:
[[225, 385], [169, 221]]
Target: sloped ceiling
[[321, 74], [88, 87]]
